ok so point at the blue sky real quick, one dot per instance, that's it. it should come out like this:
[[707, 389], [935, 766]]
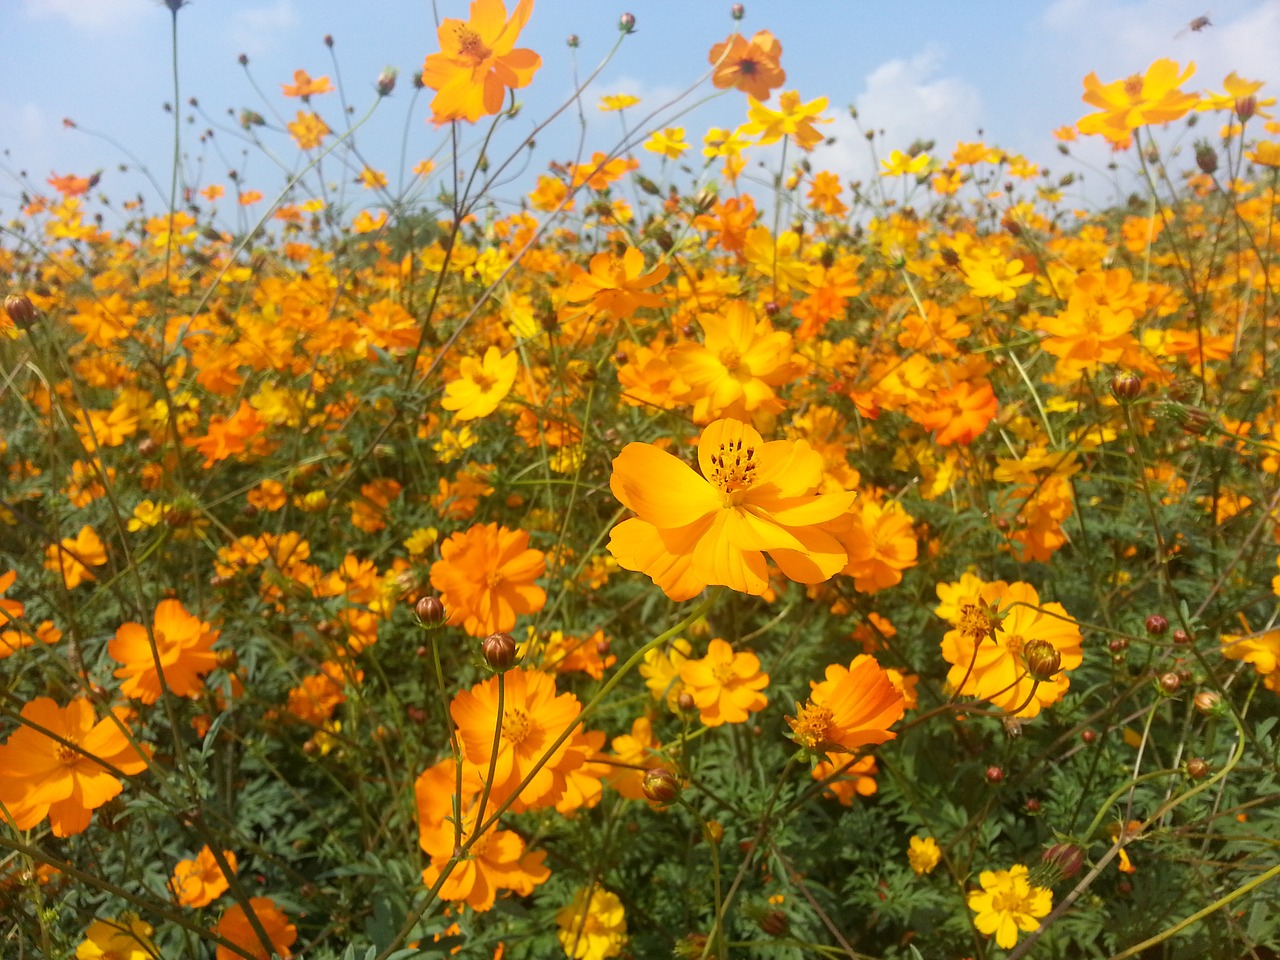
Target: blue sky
[[944, 71]]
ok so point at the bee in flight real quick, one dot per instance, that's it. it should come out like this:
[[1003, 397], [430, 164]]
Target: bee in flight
[[1196, 25]]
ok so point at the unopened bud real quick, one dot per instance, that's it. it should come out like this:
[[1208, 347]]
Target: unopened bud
[[572, 41], [737, 11], [994, 774], [660, 785], [627, 23], [648, 186], [1197, 769], [1208, 701], [1157, 625], [499, 651], [1126, 386], [430, 611], [685, 702], [774, 923], [1042, 659], [21, 310], [1246, 107], [387, 81], [1206, 157], [1170, 683], [1065, 858]]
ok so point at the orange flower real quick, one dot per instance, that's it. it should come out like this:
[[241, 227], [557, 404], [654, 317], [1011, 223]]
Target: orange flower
[[959, 413], [305, 87], [230, 436], [733, 372], [615, 285], [184, 645], [477, 63], [485, 577], [495, 861], [199, 882], [751, 67], [725, 685], [41, 776], [1137, 100], [69, 185], [235, 926], [530, 718], [308, 130], [852, 707], [881, 543], [753, 497], [75, 555]]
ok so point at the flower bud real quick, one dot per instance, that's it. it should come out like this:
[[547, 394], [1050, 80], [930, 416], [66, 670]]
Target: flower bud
[[1042, 659], [737, 11], [1065, 858], [572, 41], [1181, 637], [685, 702], [1206, 157], [499, 651], [627, 23], [648, 186], [774, 923], [387, 81], [1156, 624], [226, 659], [1197, 768], [994, 775], [1208, 701], [430, 611], [1126, 386], [660, 786], [1246, 107], [1170, 683], [1088, 736], [21, 310]]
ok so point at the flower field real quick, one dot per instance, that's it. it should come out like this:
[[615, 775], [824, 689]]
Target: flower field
[[686, 561]]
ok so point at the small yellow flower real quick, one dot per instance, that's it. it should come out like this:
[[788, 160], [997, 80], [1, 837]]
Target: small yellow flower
[[670, 143], [481, 385], [923, 854], [900, 164], [1008, 903]]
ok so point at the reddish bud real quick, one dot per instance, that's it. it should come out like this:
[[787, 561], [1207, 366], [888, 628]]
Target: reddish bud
[[1042, 659], [1208, 701], [1157, 625], [1088, 736], [1197, 769], [627, 23], [1126, 386], [1170, 683], [774, 923], [737, 11], [660, 785], [499, 651], [1066, 858], [430, 611], [994, 774], [21, 310]]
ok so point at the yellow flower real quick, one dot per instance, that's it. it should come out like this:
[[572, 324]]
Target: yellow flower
[[125, 938], [725, 684], [923, 854], [734, 372], [670, 143], [481, 384], [1008, 903], [1136, 101], [752, 497], [791, 119], [900, 164], [593, 926], [611, 102]]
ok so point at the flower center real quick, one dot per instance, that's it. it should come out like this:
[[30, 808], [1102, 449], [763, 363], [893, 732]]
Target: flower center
[[731, 359], [493, 579], [1007, 901], [1013, 643], [516, 725], [484, 381], [66, 756], [733, 471], [1133, 86], [747, 67], [811, 725], [471, 47]]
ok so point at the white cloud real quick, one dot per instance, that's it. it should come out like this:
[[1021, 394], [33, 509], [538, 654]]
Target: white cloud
[[89, 14], [255, 31], [904, 100]]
